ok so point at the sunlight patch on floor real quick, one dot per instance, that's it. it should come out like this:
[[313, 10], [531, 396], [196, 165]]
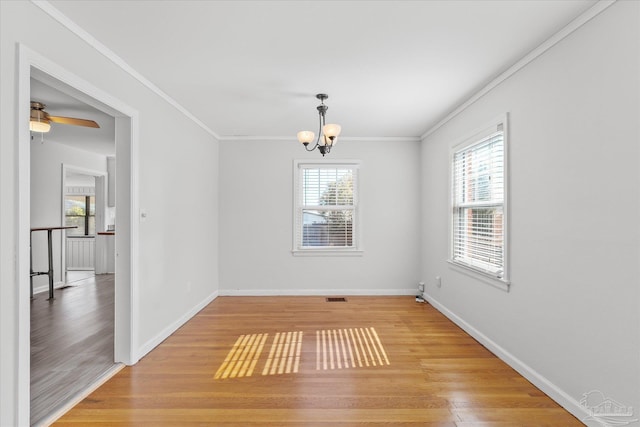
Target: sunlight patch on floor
[[284, 356], [335, 349], [349, 348], [243, 356]]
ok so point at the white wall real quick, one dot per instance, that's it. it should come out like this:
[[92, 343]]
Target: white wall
[[46, 197], [256, 210], [178, 186], [571, 320]]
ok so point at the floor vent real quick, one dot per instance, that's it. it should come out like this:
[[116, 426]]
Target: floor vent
[[339, 299]]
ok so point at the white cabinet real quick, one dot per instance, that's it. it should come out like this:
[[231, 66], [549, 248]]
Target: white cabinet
[[105, 253], [111, 181]]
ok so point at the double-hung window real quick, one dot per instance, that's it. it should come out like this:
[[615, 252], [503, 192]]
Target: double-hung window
[[326, 208], [479, 220], [80, 211]]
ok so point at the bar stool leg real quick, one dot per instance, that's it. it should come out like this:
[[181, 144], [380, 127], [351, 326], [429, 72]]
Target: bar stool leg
[[31, 261], [50, 272]]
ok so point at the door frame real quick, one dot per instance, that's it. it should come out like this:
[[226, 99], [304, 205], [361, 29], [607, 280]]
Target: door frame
[[33, 64]]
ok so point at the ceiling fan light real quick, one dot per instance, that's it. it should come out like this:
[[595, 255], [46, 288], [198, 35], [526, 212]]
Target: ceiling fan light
[[305, 136], [39, 126], [331, 130]]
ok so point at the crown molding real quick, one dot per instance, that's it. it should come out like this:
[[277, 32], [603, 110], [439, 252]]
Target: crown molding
[[50, 10], [380, 138], [572, 26], [290, 138], [595, 10]]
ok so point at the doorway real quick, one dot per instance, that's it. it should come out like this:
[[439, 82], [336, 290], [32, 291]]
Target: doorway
[[72, 339], [34, 65], [85, 207]]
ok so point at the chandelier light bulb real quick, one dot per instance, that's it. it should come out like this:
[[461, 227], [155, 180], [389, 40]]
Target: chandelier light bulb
[[305, 136], [331, 130]]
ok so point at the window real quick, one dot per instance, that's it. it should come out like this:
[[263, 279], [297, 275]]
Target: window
[[81, 212], [326, 207], [478, 223]]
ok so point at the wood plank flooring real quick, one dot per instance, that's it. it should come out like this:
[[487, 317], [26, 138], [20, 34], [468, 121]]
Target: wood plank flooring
[[71, 342], [436, 374]]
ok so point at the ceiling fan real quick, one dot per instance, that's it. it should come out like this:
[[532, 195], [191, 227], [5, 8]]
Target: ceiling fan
[[40, 120]]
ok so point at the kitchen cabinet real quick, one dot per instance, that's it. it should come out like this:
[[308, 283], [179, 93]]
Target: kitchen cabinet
[[105, 252]]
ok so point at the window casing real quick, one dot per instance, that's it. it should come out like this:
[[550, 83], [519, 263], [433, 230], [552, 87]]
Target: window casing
[[478, 203], [326, 208]]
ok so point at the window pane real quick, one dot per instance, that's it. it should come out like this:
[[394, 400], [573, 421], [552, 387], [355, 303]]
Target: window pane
[[478, 236], [92, 205], [327, 187], [478, 172], [78, 221], [327, 228], [74, 205], [92, 216]]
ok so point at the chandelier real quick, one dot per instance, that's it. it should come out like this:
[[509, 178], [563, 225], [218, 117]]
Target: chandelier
[[327, 134]]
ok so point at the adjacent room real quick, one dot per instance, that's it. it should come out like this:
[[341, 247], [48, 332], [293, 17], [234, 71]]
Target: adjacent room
[[73, 190], [329, 213]]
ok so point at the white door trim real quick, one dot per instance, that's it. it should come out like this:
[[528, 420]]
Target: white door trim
[[32, 63]]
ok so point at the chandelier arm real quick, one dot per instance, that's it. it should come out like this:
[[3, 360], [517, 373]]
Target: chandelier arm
[[319, 132], [306, 147]]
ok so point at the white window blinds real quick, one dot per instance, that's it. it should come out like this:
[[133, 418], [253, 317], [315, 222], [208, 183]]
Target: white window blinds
[[326, 206], [478, 239]]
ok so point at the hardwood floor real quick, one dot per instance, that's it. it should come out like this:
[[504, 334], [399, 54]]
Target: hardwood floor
[[71, 342], [422, 370]]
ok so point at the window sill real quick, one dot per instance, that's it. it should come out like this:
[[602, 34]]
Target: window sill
[[327, 252], [487, 278]]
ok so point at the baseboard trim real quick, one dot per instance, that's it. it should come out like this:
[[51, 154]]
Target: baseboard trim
[[45, 288], [166, 332], [548, 387], [314, 292]]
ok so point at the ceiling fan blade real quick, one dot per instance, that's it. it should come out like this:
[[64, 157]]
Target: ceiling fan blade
[[74, 121]]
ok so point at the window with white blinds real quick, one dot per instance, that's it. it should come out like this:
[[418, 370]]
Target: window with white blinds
[[478, 204], [326, 203]]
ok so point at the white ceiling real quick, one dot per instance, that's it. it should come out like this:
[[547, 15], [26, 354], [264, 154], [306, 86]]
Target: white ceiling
[[252, 68]]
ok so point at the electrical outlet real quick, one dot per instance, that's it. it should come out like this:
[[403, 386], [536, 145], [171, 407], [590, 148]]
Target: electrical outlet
[[421, 287], [438, 282]]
